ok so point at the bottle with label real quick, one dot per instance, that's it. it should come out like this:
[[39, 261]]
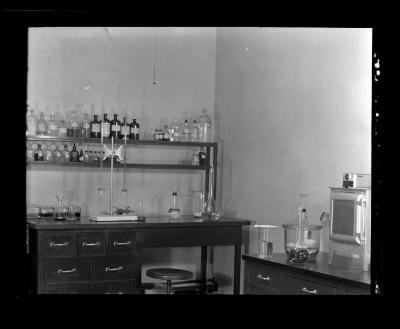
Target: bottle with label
[[52, 127], [57, 155], [48, 152], [38, 154], [125, 129], [95, 127], [194, 131], [73, 126], [186, 132], [41, 125], [85, 126], [29, 152], [74, 154], [115, 127], [195, 159], [106, 124], [81, 156], [66, 154], [135, 129], [62, 128], [202, 157], [31, 124], [166, 133], [205, 126]]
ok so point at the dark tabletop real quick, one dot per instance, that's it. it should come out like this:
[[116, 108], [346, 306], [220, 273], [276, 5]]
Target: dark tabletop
[[150, 222], [342, 267]]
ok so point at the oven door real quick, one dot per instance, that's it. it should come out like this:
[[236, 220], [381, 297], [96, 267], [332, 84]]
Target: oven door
[[347, 214]]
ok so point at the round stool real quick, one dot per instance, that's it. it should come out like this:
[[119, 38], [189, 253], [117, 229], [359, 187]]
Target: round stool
[[169, 274]]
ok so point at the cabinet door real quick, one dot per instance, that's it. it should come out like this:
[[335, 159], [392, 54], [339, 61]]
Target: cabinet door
[[113, 268], [121, 242], [114, 287], [67, 270], [263, 276], [306, 286]]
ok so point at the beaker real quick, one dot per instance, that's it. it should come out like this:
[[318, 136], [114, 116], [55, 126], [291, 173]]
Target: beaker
[[265, 245], [199, 201]]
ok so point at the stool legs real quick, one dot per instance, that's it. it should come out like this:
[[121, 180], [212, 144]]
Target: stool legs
[[169, 290]]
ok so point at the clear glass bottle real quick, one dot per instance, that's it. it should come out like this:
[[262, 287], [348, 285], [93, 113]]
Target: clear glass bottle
[[115, 127], [52, 127], [57, 155], [106, 125], [85, 126], [135, 129], [95, 127], [174, 212], [62, 127], [173, 128], [29, 152], [73, 126], [205, 126], [186, 132], [48, 152], [31, 124], [194, 132], [41, 125], [66, 154], [211, 209], [125, 129], [38, 154], [195, 159], [166, 136]]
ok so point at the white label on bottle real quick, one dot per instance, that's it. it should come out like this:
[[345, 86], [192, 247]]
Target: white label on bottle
[[53, 126], [106, 129], [115, 128], [135, 130], [86, 125], [125, 130], [41, 127], [32, 128], [95, 127], [62, 130], [74, 124]]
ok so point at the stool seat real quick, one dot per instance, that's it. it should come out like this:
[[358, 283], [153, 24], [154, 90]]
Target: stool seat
[[169, 274]]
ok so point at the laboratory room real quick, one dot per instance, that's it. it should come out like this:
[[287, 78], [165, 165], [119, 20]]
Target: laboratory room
[[199, 160]]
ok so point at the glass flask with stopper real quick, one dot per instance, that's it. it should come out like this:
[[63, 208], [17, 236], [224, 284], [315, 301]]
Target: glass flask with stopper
[[174, 212], [302, 236]]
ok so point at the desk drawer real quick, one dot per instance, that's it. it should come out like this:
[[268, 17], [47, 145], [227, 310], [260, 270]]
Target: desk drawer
[[121, 242], [257, 290], [60, 244], [91, 243], [67, 270], [263, 276], [113, 268], [115, 287], [300, 286], [69, 288]]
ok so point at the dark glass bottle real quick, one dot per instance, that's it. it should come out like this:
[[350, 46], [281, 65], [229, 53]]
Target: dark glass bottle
[[202, 157], [115, 127], [95, 127], [74, 155], [81, 156], [106, 126], [135, 129], [125, 130]]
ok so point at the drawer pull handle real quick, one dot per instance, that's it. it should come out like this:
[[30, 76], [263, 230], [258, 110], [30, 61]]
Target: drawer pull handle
[[121, 243], [309, 291], [260, 277], [85, 244], [66, 271], [65, 244], [110, 269]]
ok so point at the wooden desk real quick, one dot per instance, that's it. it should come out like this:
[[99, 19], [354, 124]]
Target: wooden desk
[[104, 257]]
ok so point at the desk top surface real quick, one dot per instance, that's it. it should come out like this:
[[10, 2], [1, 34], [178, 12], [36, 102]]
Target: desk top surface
[[149, 222], [342, 267]]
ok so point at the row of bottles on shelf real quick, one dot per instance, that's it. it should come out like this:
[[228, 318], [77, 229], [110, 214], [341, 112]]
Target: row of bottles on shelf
[[54, 153], [198, 131]]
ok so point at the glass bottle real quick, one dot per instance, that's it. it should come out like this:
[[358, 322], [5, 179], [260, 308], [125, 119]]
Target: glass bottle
[[41, 125], [173, 130], [106, 126], [174, 211], [115, 127], [166, 136], [31, 124], [194, 131], [81, 156], [85, 126], [186, 132], [66, 154], [52, 127], [202, 157], [195, 159], [29, 152], [205, 126], [48, 152], [57, 155], [135, 129], [211, 210], [95, 127], [74, 154], [73, 126], [62, 127], [86, 156], [38, 154], [125, 129]]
